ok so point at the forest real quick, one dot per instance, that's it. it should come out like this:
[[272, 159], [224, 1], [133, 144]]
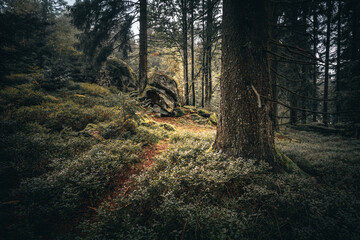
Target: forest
[[179, 119]]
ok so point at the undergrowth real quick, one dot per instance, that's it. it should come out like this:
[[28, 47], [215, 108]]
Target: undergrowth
[[193, 193], [61, 153]]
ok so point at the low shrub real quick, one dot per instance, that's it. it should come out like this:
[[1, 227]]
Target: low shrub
[[193, 193]]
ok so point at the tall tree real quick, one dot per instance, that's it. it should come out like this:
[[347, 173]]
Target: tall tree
[[327, 60], [245, 128], [210, 11], [203, 56], [184, 28], [106, 26], [338, 58], [184, 21], [143, 80], [192, 9], [315, 29]]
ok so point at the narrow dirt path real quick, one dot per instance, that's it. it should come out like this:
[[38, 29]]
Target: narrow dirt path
[[122, 184]]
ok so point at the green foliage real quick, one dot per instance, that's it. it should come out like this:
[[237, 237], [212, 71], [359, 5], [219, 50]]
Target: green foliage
[[62, 152], [193, 193], [213, 119], [203, 113], [333, 159], [148, 136], [179, 112], [97, 39], [21, 95], [94, 89]]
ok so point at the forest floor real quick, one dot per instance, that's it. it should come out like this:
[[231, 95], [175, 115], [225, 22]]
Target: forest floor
[[87, 162], [147, 157]]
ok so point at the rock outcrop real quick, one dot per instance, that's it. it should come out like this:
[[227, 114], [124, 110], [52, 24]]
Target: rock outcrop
[[162, 94], [115, 72]]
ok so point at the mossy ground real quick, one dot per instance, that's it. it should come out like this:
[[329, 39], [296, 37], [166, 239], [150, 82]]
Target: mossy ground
[[86, 162]]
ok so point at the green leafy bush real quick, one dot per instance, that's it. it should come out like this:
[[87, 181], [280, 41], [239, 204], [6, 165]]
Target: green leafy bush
[[62, 152], [193, 193]]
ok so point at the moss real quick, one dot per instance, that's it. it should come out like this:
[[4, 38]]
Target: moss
[[94, 89], [110, 129], [130, 125], [195, 117], [21, 95], [168, 127], [287, 164], [204, 113], [189, 109], [178, 112], [213, 119]]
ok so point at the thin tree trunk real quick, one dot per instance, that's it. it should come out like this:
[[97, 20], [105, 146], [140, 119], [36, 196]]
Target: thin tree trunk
[[245, 128], [304, 93], [209, 80], [143, 80], [338, 61], [355, 33], [272, 74], [294, 101], [274, 106], [293, 111], [327, 59], [315, 42], [208, 55], [185, 50], [206, 74], [304, 68], [192, 55], [203, 57]]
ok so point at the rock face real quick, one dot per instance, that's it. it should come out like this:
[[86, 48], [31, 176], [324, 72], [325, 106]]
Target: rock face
[[163, 94], [115, 72]]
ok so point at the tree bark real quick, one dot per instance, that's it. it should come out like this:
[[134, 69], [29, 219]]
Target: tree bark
[[208, 54], [315, 42], [272, 74], [184, 11], [327, 59], [304, 68], [338, 60], [143, 80], [203, 57], [192, 55], [245, 128]]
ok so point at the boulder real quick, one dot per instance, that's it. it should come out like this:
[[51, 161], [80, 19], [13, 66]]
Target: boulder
[[115, 72], [162, 94]]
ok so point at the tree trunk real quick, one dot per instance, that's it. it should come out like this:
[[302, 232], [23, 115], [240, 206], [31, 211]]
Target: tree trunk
[[355, 30], [338, 61], [304, 93], [245, 129], [327, 59], [192, 55], [274, 96], [209, 82], [272, 72], [203, 57], [208, 54], [293, 111], [185, 49], [143, 80], [304, 68], [315, 42]]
